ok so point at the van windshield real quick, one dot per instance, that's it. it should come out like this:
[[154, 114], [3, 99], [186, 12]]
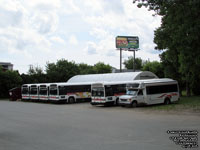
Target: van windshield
[[132, 92]]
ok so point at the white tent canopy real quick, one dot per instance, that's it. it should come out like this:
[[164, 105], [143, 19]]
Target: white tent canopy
[[112, 77]]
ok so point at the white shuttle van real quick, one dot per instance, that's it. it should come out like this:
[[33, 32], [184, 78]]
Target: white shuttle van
[[152, 91]]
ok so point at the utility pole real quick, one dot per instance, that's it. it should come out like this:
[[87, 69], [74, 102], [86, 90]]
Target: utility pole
[[133, 60], [120, 60]]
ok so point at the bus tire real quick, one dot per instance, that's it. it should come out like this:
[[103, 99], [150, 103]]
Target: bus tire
[[71, 100], [167, 101], [134, 104]]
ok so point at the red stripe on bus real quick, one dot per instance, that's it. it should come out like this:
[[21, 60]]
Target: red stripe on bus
[[169, 95]]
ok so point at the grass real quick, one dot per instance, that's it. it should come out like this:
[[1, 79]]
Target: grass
[[188, 104]]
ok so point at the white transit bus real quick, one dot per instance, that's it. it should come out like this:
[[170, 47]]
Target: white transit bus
[[25, 89], [107, 93], [34, 92], [70, 92], [43, 92], [153, 91]]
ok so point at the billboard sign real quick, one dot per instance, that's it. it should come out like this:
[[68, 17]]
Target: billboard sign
[[127, 42]]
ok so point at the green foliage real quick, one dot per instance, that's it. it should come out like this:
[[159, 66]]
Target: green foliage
[[34, 75], [61, 71], [8, 80], [129, 63], [185, 104], [86, 69], [179, 37], [100, 67], [155, 67]]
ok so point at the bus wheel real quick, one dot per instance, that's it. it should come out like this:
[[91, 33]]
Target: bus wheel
[[167, 101], [71, 100], [134, 104]]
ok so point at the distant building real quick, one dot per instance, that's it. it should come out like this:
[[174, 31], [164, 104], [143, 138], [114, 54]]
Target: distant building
[[6, 66]]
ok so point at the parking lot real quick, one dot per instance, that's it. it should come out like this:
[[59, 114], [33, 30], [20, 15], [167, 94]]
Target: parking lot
[[40, 126]]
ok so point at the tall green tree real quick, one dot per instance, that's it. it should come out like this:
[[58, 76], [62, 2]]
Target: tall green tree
[[86, 69], [34, 75], [178, 36], [129, 63], [100, 67], [61, 71], [8, 80], [155, 67]]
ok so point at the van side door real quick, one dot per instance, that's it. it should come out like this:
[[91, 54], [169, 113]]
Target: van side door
[[140, 96]]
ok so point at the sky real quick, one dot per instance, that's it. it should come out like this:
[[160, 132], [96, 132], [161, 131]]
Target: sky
[[37, 32]]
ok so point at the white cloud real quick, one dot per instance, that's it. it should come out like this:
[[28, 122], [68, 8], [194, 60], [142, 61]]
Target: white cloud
[[73, 40], [91, 48], [44, 22], [57, 39], [79, 30]]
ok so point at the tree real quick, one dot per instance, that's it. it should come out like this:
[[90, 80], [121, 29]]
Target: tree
[[8, 80], [129, 63], [86, 69], [100, 67], [155, 67], [61, 71], [178, 36], [35, 75]]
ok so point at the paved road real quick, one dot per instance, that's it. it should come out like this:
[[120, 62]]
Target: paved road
[[37, 126]]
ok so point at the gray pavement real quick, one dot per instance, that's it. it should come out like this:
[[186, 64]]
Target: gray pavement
[[38, 126]]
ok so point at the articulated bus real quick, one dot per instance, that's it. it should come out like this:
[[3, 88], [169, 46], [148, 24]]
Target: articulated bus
[[70, 92], [25, 89], [43, 92], [150, 92], [107, 93]]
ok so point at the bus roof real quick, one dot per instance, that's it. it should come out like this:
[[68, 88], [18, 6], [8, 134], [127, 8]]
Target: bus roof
[[161, 80], [113, 77], [71, 84]]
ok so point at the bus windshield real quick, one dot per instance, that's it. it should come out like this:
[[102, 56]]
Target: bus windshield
[[53, 91], [43, 91], [34, 91], [98, 91], [25, 91], [132, 92]]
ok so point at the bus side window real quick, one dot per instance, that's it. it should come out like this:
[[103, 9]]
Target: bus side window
[[140, 92]]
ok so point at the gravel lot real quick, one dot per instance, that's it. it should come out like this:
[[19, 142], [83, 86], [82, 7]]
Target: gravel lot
[[40, 126]]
